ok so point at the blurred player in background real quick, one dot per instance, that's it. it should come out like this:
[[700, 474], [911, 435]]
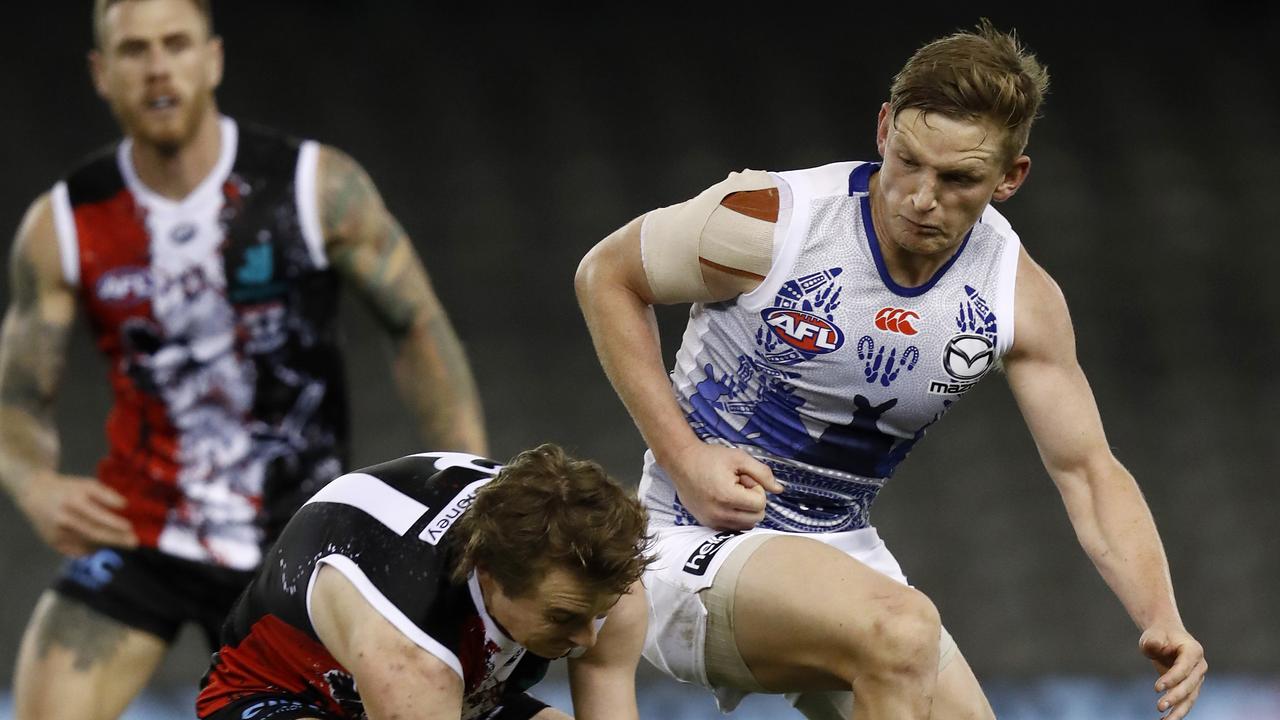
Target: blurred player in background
[[207, 258], [838, 313], [441, 585]]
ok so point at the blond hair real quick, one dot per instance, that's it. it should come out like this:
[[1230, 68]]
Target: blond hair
[[100, 8], [984, 74]]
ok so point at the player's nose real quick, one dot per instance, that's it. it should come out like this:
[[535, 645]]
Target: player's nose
[[925, 197], [585, 637]]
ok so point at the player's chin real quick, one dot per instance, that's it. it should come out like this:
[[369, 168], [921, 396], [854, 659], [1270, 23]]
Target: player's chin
[[552, 652], [161, 135]]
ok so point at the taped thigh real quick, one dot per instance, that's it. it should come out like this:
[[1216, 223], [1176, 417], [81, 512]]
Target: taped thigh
[[724, 664]]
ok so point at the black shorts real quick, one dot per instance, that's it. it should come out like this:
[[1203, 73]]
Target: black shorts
[[153, 592], [269, 706]]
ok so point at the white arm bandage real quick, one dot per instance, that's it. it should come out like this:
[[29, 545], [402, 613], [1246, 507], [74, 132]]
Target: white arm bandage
[[674, 238]]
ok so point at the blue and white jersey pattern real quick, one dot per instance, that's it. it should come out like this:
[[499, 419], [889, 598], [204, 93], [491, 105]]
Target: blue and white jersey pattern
[[830, 371]]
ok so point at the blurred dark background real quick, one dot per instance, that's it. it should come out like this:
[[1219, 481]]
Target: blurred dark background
[[508, 145]]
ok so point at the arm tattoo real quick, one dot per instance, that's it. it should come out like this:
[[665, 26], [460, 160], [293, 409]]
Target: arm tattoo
[[25, 283], [31, 364], [32, 354], [369, 247], [346, 193]]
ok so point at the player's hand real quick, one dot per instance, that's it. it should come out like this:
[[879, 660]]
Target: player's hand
[[1181, 664], [723, 487], [75, 515]]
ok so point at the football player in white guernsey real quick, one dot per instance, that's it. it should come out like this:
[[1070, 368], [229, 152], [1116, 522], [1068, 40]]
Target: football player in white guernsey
[[838, 312], [157, 65]]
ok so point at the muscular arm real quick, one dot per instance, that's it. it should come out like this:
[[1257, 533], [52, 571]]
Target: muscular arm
[[71, 514], [397, 679], [367, 245], [616, 301], [1106, 508], [603, 681]]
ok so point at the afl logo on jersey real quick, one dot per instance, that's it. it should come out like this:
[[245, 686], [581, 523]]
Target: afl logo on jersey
[[804, 331], [125, 286], [968, 357]]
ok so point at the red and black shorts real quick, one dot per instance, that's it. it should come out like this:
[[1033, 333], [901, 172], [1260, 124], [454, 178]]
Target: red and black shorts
[[152, 591]]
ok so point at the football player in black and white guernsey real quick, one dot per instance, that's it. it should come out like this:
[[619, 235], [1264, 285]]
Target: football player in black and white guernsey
[[441, 585]]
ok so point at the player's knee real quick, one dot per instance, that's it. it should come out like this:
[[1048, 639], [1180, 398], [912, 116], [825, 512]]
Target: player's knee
[[903, 638]]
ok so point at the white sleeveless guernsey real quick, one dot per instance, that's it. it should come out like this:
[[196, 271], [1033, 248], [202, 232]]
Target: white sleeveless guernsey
[[830, 372]]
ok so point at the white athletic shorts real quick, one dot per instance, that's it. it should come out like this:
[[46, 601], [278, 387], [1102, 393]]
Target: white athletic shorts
[[688, 558]]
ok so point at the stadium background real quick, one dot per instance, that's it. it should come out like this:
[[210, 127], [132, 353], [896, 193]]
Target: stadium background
[[507, 146]]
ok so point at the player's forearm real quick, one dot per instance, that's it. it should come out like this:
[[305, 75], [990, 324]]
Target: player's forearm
[[28, 450], [603, 693], [435, 380], [625, 333], [1115, 527], [28, 436]]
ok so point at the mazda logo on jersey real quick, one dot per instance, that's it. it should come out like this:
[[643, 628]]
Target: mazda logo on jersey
[[967, 357], [803, 331]]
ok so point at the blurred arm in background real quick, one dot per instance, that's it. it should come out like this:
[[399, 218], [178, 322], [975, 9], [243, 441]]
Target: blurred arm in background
[[371, 250], [73, 514]]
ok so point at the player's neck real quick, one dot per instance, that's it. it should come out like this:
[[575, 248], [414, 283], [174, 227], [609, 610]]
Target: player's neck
[[175, 173]]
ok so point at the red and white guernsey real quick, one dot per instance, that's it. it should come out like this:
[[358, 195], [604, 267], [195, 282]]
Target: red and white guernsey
[[217, 316]]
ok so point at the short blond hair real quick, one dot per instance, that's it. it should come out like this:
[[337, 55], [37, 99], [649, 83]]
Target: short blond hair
[[100, 8], [983, 74]]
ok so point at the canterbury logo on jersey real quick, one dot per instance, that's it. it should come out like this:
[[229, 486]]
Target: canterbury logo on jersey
[[804, 331], [897, 320]]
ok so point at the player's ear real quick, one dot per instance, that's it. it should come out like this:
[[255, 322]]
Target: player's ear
[[97, 71], [882, 127], [1013, 179], [216, 59]]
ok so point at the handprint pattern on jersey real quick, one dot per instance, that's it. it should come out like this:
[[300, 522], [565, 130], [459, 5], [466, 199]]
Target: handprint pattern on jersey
[[976, 316], [876, 366]]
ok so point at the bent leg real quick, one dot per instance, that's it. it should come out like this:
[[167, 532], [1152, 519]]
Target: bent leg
[[809, 617], [77, 664], [957, 696]]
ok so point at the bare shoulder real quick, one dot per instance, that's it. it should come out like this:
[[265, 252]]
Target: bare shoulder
[[395, 673], [35, 262], [351, 628], [37, 237], [347, 198], [1042, 322]]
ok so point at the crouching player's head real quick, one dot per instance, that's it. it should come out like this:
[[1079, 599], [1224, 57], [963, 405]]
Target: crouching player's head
[[554, 543]]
